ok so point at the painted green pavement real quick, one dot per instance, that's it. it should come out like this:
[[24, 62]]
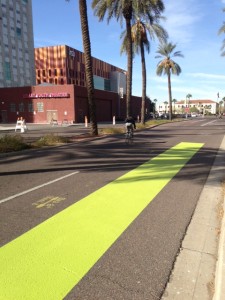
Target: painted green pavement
[[49, 260]]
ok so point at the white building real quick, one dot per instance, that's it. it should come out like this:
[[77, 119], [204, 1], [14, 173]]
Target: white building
[[16, 43], [188, 106]]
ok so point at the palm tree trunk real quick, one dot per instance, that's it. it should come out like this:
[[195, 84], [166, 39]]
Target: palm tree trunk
[[129, 66], [143, 83], [170, 95], [88, 66]]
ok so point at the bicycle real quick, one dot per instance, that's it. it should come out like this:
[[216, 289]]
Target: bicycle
[[129, 137]]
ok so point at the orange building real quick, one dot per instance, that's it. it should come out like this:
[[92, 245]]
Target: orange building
[[65, 65], [61, 94]]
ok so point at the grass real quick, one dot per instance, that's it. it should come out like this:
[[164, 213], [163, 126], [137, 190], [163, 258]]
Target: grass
[[11, 143], [50, 140], [148, 124]]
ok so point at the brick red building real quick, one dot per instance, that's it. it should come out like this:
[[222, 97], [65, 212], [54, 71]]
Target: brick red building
[[60, 93], [41, 104]]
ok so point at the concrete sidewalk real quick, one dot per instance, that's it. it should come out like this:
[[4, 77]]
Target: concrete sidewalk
[[199, 270]]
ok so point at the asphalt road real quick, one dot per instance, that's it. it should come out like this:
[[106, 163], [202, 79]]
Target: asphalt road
[[138, 264]]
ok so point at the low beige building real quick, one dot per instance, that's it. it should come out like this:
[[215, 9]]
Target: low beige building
[[187, 106]]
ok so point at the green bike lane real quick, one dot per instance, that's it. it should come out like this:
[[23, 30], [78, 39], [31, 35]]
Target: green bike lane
[[49, 260]]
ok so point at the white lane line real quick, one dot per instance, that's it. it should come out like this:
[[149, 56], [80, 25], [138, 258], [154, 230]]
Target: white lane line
[[37, 187], [209, 123]]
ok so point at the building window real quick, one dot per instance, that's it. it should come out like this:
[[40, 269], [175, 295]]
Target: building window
[[18, 32], [12, 107], [40, 106], [7, 71], [21, 107], [30, 107]]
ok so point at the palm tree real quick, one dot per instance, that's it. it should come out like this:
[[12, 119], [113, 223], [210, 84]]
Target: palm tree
[[222, 30], [120, 9], [168, 66], [223, 99], [88, 65], [165, 103], [139, 33], [155, 100], [188, 96], [124, 9], [174, 102], [220, 107]]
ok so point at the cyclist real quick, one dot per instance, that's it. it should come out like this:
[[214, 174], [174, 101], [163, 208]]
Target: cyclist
[[130, 124]]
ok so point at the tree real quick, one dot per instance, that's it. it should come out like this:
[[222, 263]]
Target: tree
[[125, 9], [174, 102], [165, 103], [168, 66], [223, 99], [222, 30], [188, 96], [155, 101], [88, 65], [139, 34], [119, 9]]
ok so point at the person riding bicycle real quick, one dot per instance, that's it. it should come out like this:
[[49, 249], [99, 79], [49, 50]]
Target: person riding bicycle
[[130, 124]]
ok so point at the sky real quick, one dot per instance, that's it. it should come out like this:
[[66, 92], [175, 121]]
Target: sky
[[192, 25]]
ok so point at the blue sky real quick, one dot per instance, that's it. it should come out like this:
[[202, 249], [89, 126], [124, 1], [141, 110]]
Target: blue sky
[[192, 25]]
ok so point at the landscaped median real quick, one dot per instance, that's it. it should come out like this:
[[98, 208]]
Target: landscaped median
[[17, 142]]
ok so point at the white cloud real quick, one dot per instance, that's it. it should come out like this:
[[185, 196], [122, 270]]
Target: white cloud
[[207, 76], [181, 18]]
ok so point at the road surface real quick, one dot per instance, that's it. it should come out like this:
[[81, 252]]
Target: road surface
[[100, 219]]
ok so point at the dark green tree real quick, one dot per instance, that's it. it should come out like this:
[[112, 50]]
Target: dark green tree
[[125, 10], [140, 32], [168, 66]]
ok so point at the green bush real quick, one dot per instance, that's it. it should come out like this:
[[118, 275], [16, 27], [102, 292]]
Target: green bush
[[9, 143]]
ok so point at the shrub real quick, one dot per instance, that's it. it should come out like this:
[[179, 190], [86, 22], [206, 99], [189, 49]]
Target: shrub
[[50, 140], [9, 143]]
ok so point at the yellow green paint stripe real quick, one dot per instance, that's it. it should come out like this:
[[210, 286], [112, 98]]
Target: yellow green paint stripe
[[49, 260]]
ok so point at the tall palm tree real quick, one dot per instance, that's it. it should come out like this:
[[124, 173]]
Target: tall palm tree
[[119, 9], [139, 33], [223, 99], [222, 30], [188, 96], [168, 66], [155, 101], [220, 106], [125, 9], [165, 103], [174, 102], [88, 65]]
